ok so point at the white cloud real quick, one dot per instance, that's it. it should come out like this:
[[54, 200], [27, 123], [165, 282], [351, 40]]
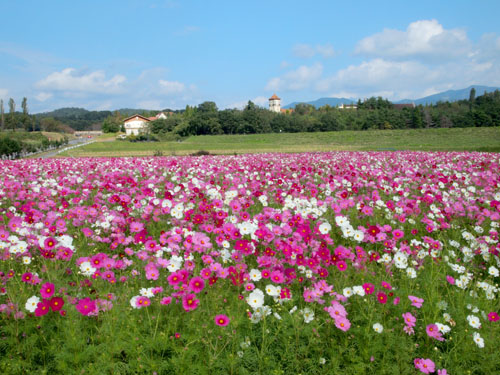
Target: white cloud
[[308, 51], [172, 87], [407, 79], [426, 39], [3, 93], [71, 81], [299, 79], [43, 96]]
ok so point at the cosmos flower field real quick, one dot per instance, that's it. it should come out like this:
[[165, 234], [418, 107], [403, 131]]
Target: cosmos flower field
[[314, 263]]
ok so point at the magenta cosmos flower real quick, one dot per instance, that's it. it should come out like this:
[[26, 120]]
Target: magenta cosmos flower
[[369, 288], [382, 297], [42, 308], [197, 284], [56, 303], [221, 320], [189, 302], [86, 306], [47, 290], [493, 317]]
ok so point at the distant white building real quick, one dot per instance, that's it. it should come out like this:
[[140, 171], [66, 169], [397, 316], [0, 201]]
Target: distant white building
[[275, 104], [136, 124], [348, 106]]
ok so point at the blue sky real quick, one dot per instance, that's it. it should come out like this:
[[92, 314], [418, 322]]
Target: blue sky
[[160, 54]]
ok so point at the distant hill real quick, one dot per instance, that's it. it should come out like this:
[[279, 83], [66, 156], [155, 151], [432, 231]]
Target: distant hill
[[450, 96], [324, 101]]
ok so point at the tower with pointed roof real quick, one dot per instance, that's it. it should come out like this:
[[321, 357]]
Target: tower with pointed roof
[[275, 104]]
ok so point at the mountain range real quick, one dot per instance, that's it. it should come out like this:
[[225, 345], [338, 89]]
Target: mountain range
[[446, 96]]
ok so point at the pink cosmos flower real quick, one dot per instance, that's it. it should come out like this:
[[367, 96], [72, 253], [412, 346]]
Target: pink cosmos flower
[[341, 265], [336, 310], [49, 243], [342, 323], [196, 284], [382, 297], [493, 317], [415, 301], [450, 279], [409, 330], [189, 302], [174, 278], [409, 319], [152, 273], [86, 306], [47, 290], [433, 331], [424, 365], [27, 277], [277, 277], [142, 302], [442, 372], [42, 308], [221, 320], [369, 288], [386, 285], [166, 300]]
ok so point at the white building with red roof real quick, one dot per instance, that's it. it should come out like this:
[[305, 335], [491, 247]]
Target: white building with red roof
[[137, 124], [275, 104]]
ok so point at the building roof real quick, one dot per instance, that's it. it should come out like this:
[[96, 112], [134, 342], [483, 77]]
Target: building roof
[[274, 97], [134, 116]]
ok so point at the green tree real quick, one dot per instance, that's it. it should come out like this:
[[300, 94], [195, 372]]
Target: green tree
[[12, 113], [111, 125], [2, 116], [472, 97], [25, 117]]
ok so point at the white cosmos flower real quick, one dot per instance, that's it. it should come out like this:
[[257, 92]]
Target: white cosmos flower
[[325, 228], [87, 269], [256, 298], [31, 304], [255, 275], [272, 290], [474, 321], [478, 339], [493, 271], [308, 315], [377, 327]]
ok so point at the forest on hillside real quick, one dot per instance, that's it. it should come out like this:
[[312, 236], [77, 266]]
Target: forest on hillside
[[206, 118]]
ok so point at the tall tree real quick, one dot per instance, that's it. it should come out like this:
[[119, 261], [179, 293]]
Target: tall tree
[[25, 118], [472, 97], [24, 106], [12, 111], [2, 116]]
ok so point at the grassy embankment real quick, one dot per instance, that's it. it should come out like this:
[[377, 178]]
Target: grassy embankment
[[458, 139]]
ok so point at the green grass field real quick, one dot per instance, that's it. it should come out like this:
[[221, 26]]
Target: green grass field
[[459, 139]]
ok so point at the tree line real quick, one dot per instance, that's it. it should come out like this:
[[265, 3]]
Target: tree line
[[373, 113], [206, 118]]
